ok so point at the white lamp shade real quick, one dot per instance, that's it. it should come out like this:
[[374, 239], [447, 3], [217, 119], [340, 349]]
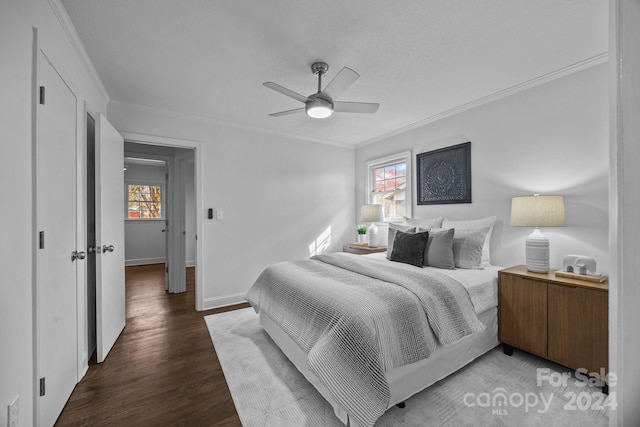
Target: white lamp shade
[[371, 213], [537, 211]]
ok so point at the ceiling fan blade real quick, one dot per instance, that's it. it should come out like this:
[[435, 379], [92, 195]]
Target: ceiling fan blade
[[283, 90], [355, 107], [341, 82], [286, 113]]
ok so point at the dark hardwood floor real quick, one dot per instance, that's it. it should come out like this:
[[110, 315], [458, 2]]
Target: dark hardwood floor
[[162, 371]]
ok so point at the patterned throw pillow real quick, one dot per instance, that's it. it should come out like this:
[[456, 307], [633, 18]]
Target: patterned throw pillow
[[409, 247], [393, 228]]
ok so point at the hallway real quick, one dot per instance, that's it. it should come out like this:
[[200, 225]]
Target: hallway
[[162, 371]]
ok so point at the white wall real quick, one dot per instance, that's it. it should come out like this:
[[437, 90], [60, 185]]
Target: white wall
[[278, 195], [550, 139], [144, 240], [17, 19]]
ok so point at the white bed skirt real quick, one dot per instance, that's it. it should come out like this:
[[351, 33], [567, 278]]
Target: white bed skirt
[[404, 381]]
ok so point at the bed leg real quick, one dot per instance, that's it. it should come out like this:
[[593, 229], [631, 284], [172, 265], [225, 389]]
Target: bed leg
[[401, 405], [507, 349]]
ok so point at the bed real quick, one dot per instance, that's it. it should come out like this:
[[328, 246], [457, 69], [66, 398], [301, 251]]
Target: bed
[[368, 332]]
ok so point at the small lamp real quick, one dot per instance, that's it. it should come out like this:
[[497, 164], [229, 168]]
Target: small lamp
[[372, 214], [537, 211]]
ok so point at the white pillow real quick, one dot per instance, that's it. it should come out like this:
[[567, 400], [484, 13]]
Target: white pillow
[[467, 246], [476, 223], [426, 224]]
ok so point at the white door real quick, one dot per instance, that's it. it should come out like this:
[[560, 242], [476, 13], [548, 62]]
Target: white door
[[177, 234], [165, 227], [180, 205], [110, 297], [56, 307]]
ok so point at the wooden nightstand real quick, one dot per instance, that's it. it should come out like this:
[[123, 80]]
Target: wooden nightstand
[[561, 319], [362, 250]]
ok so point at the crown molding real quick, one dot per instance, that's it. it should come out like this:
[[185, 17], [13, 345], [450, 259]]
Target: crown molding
[[218, 122], [78, 46], [537, 81]]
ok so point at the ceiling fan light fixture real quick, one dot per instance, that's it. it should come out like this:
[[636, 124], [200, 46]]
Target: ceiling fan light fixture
[[320, 105], [319, 108]]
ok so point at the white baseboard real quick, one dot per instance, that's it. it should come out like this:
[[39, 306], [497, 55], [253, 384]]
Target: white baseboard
[[144, 261], [223, 301], [84, 365]]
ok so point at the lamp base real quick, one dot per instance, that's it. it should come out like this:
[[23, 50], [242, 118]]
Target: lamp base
[[372, 235], [537, 252]]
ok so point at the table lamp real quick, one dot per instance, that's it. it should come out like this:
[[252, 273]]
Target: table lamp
[[537, 211], [372, 214]]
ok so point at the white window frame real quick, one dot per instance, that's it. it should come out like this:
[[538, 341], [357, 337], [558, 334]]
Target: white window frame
[[370, 179], [163, 199]]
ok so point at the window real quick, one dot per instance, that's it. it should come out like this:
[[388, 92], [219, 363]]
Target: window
[[144, 201], [390, 185]]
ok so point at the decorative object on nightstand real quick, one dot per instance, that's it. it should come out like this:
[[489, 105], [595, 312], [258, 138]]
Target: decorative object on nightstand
[[537, 211], [581, 267], [372, 214], [362, 234]]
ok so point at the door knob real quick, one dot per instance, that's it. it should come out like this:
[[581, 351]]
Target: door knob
[[163, 229], [77, 255], [106, 248]]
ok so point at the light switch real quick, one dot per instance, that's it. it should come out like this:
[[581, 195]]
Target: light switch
[[219, 214]]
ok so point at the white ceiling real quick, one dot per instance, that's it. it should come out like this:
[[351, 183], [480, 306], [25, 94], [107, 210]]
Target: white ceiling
[[417, 58]]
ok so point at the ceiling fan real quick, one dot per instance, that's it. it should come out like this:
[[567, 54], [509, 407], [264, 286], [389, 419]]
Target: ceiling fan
[[321, 104]]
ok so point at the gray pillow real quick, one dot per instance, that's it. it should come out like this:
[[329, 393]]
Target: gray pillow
[[409, 247], [467, 246], [439, 250], [392, 235]]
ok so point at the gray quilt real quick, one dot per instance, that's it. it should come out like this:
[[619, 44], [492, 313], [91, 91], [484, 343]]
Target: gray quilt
[[358, 317]]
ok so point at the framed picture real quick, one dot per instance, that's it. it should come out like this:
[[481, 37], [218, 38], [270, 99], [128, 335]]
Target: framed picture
[[444, 175]]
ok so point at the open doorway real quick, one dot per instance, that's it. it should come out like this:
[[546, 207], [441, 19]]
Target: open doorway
[[152, 200], [160, 213], [145, 186], [147, 144]]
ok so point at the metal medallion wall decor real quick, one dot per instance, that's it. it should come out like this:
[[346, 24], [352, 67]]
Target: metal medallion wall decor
[[444, 175]]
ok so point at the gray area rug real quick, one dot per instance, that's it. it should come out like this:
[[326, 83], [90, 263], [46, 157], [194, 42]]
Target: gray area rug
[[495, 390]]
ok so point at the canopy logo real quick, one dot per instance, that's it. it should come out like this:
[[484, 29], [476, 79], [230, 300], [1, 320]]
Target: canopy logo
[[500, 400]]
